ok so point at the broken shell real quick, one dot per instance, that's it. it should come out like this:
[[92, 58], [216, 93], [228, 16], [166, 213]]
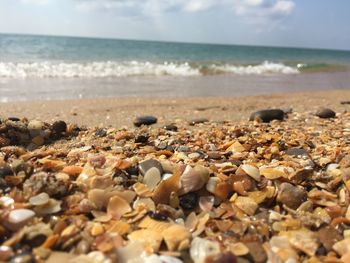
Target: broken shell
[[147, 237], [146, 202], [193, 179], [206, 203], [272, 173], [176, 237], [250, 170], [239, 249], [152, 178], [235, 147], [40, 199], [162, 192], [120, 227], [152, 224], [117, 207], [51, 207], [246, 204], [72, 170], [202, 248]]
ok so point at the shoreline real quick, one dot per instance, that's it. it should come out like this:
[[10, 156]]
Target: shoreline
[[120, 111]]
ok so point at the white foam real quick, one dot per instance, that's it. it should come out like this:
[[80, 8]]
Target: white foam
[[131, 68], [266, 68]]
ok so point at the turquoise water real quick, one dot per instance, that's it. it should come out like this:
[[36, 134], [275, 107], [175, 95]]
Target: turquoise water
[[24, 56]]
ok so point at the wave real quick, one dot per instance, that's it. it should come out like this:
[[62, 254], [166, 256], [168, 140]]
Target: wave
[[134, 68]]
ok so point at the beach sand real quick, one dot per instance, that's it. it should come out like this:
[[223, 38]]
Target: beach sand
[[117, 112], [238, 191]]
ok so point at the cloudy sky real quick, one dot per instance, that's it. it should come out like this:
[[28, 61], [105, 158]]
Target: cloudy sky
[[301, 23]]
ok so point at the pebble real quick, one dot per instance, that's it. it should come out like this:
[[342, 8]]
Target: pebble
[[157, 216], [296, 152], [145, 120], [214, 155], [100, 132], [189, 201], [148, 164], [328, 236], [325, 113], [5, 170], [291, 195], [36, 128], [59, 127], [198, 120], [171, 127], [267, 115], [19, 216], [142, 138], [257, 251]]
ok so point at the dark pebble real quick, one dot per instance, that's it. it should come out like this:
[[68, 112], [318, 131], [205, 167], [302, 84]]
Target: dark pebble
[[59, 127], [170, 127], [345, 102], [5, 171], [157, 216], [142, 138], [291, 195], [148, 164], [145, 120], [189, 201], [133, 170], [100, 132], [14, 119], [296, 152], [325, 113], [267, 115], [198, 120]]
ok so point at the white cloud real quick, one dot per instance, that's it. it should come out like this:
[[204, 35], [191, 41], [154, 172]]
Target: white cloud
[[253, 11], [36, 2]]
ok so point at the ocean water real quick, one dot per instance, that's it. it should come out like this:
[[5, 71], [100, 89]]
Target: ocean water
[[42, 65]]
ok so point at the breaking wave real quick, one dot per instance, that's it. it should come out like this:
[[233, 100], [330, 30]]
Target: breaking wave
[[110, 69]]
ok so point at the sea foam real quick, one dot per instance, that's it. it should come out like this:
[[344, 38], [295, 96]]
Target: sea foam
[[110, 69]]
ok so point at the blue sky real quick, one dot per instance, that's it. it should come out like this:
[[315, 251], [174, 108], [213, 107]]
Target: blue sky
[[300, 23]]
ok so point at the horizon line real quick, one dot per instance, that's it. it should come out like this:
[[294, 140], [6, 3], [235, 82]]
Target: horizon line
[[176, 42]]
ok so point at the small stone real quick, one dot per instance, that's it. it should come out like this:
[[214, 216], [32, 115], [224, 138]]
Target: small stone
[[59, 127], [345, 102], [325, 113], [148, 164], [183, 148], [296, 152], [226, 257], [142, 138], [267, 115], [36, 128], [189, 201], [157, 216], [100, 132], [25, 257], [170, 127], [19, 216], [5, 170], [38, 140], [328, 236], [214, 155], [291, 195], [198, 120], [144, 120], [14, 119]]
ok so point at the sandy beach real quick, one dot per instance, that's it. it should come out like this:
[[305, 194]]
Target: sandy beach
[[117, 112]]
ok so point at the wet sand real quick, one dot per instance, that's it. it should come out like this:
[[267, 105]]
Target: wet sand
[[118, 112]]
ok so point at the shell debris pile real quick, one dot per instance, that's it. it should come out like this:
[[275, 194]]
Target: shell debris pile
[[208, 192]]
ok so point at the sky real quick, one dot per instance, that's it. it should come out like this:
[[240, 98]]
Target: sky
[[291, 23]]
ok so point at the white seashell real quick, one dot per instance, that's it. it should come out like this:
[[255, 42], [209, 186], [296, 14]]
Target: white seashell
[[250, 170], [19, 216], [152, 178], [193, 179], [212, 183], [51, 207], [202, 248], [6, 201], [40, 199]]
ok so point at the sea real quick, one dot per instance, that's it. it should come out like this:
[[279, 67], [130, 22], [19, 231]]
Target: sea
[[54, 67]]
